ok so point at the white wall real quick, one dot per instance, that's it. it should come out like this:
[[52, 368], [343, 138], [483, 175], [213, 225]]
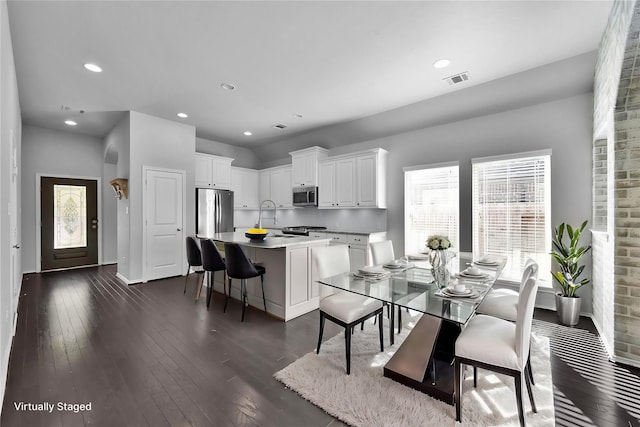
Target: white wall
[[242, 157], [54, 153], [161, 143], [116, 147], [10, 123], [563, 125]]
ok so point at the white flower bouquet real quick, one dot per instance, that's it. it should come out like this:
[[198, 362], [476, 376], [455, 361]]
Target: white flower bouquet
[[437, 242]]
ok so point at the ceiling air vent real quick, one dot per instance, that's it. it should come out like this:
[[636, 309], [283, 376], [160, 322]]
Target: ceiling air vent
[[280, 126], [458, 78]]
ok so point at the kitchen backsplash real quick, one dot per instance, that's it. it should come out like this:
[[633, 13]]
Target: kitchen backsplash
[[335, 219]]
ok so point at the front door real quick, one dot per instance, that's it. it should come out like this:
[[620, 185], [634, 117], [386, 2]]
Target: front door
[[69, 222], [164, 204]]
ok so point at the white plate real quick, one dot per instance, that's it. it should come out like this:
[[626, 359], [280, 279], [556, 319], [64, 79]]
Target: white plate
[[395, 266], [452, 291], [473, 276], [471, 294], [371, 270], [468, 274], [487, 262]]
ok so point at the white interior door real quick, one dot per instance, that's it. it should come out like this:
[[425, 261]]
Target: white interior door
[[14, 211], [164, 207]]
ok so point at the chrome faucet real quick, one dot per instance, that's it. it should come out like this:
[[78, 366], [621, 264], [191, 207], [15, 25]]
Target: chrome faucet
[[275, 215]]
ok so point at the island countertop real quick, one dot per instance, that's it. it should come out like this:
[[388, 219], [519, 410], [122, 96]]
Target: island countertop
[[270, 242]]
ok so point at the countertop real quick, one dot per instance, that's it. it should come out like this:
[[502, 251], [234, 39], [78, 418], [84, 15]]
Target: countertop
[[272, 241], [329, 230]]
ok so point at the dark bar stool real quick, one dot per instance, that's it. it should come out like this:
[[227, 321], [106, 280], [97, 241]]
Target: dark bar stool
[[212, 261], [240, 267], [195, 260]]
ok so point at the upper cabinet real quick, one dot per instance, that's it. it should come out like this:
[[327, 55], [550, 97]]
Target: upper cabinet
[[337, 188], [275, 184], [356, 180], [213, 171], [304, 165], [244, 183]]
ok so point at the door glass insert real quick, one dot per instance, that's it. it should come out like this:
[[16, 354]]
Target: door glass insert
[[69, 216]]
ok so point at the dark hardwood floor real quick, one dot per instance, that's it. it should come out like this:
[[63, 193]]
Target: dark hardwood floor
[[148, 355]]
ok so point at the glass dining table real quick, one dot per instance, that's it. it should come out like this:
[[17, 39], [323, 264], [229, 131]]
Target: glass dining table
[[424, 359]]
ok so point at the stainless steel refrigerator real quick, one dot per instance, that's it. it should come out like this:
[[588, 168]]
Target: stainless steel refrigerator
[[214, 211]]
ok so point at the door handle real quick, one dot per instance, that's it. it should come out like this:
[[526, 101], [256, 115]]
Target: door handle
[[16, 246], [178, 229]]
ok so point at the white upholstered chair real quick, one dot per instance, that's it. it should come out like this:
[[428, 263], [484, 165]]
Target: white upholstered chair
[[341, 307], [381, 252], [503, 303], [501, 346]]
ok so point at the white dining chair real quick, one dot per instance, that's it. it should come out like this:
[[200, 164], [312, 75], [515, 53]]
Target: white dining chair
[[503, 303], [498, 345], [341, 307], [381, 252]]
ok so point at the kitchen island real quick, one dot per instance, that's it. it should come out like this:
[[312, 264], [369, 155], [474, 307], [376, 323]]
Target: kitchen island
[[290, 285]]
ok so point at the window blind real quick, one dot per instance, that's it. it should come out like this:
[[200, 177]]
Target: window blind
[[511, 208], [431, 205]]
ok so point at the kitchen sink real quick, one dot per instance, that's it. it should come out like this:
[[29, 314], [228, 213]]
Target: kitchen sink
[[284, 235]]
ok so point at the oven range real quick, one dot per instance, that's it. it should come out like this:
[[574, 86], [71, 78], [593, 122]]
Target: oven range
[[301, 230]]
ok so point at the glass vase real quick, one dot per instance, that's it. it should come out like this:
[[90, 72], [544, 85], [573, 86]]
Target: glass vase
[[439, 259]]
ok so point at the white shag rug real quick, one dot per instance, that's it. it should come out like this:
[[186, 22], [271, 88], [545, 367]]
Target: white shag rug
[[367, 398]]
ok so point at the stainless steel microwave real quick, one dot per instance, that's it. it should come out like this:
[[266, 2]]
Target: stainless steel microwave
[[305, 196]]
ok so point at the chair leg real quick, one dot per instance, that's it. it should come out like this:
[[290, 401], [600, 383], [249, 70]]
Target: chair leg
[[399, 318], [347, 337], [457, 391], [200, 287], [264, 300], [530, 370], [391, 327], [210, 288], [518, 379], [243, 291], [226, 300], [475, 377], [380, 331], [527, 381], [321, 330], [185, 280]]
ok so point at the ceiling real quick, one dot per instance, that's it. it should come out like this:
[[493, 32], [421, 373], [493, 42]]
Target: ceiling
[[330, 62]]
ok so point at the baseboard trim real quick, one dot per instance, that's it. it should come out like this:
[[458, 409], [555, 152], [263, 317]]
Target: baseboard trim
[[595, 322], [127, 281], [624, 361]]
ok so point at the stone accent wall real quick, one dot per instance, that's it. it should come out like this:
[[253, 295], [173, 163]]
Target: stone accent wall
[[627, 199], [616, 245]]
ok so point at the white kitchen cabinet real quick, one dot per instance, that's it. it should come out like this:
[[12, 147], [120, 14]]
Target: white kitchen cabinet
[[337, 183], [371, 180], [212, 171], [244, 183], [304, 165], [275, 184], [359, 254], [356, 180]]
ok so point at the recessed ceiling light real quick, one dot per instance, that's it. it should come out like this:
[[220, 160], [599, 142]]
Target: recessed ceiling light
[[70, 123], [247, 133], [441, 63], [183, 115], [93, 67], [298, 116], [227, 86]]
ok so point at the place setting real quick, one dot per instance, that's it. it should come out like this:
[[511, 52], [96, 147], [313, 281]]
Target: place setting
[[458, 290], [397, 265], [473, 273], [372, 273], [486, 262]]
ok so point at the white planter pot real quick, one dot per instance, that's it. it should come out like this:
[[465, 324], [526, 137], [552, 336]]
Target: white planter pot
[[568, 309]]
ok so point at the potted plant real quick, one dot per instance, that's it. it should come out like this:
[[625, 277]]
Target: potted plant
[[567, 255]]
